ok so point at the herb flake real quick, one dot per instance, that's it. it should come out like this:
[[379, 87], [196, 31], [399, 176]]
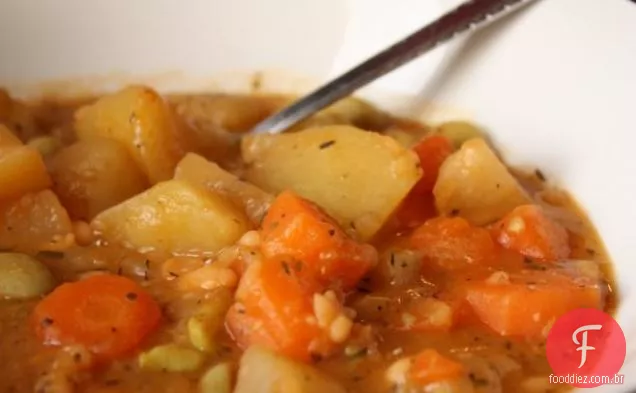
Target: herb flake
[[47, 322], [50, 254], [327, 144], [132, 296], [539, 175], [533, 265], [286, 268]]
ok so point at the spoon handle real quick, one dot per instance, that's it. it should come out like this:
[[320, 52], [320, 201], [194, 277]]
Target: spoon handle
[[471, 14]]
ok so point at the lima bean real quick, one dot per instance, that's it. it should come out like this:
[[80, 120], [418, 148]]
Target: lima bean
[[23, 277]]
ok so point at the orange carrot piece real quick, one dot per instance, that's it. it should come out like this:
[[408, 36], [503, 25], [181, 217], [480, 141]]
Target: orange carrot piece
[[430, 366], [246, 329], [108, 314], [529, 231], [526, 304], [274, 308], [297, 228], [453, 243], [432, 151], [415, 210], [463, 314]]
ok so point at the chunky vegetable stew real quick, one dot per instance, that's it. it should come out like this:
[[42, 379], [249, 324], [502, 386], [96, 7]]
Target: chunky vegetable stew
[[148, 244]]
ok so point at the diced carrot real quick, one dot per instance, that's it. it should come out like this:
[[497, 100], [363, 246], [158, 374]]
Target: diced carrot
[[525, 304], [453, 243], [529, 231], [454, 291], [415, 210], [274, 308], [430, 366], [463, 314], [297, 228], [8, 138], [432, 151], [247, 330], [108, 314]]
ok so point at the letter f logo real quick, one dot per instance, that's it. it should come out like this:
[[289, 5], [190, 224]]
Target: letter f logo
[[583, 343]]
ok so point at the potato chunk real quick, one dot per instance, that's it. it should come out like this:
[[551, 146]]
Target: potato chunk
[[8, 138], [263, 371], [35, 222], [227, 112], [22, 170], [218, 379], [173, 217], [474, 184], [358, 177], [351, 111], [459, 132], [140, 119], [93, 175], [17, 116], [201, 172]]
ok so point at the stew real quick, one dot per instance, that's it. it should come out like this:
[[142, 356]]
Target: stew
[[149, 244]]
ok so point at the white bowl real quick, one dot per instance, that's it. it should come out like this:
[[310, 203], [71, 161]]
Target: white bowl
[[554, 84]]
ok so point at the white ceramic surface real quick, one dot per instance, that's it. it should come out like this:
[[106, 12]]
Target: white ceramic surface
[[555, 84]]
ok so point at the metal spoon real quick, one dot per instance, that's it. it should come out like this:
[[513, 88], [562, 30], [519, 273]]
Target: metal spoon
[[469, 15]]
